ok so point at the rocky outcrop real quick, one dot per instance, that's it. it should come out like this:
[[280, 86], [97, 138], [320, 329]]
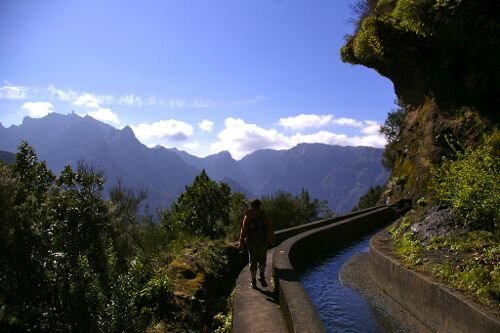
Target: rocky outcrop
[[439, 223]]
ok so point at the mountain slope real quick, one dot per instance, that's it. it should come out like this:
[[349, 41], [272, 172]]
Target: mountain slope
[[7, 157], [337, 174], [63, 140], [220, 166]]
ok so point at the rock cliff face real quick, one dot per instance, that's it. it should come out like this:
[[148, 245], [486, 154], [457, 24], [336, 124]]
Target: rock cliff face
[[442, 57], [447, 50]]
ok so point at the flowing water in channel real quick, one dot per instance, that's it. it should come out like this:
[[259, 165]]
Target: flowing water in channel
[[341, 309]]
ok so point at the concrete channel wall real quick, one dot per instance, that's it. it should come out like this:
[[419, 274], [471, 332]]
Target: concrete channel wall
[[439, 308], [284, 234], [298, 250]]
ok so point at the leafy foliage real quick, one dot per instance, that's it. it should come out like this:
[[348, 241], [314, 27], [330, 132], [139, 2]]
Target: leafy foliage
[[70, 260], [361, 9], [238, 207], [392, 130], [287, 210], [61, 266], [393, 124], [370, 198], [468, 262], [203, 207], [470, 184]]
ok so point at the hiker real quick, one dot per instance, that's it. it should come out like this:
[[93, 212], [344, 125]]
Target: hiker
[[255, 235]]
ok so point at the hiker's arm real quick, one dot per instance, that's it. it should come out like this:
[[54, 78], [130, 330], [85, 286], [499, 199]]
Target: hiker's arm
[[243, 232]]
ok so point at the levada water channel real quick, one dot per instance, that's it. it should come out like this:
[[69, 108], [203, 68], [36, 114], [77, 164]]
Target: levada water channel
[[340, 308]]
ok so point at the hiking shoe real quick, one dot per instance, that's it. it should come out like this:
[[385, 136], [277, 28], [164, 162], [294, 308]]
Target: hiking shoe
[[254, 284]]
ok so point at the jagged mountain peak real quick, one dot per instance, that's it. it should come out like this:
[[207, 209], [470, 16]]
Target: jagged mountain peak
[[223, 155], [127, 132], [337, 174]]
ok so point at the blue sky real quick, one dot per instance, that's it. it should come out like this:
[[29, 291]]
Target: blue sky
[[202, 76]]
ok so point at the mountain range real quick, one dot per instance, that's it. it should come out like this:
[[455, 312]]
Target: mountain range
[[337, 174]]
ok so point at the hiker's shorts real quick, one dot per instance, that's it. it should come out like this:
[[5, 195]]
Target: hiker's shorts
[[257, 255]]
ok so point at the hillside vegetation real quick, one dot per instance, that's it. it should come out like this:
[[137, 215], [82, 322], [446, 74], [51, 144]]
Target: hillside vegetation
[[443, 139], [72, 261]]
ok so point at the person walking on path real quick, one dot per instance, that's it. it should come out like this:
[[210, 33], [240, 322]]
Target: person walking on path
[[255, 235]]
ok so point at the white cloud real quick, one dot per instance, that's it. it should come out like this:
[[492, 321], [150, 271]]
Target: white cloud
[[331, 138], [177, 103], [92, 101], [206, 125], [152, 100], [63, 95], [191, 145], [241, 138], [378, 141], [325, 137], [198, 103], [371, 127], [303, 121], [38, 109], [250, 101], [347, 122], [202, 103], [87, 100], [13, 92], [105, 115], [131, 100], [170, 130]]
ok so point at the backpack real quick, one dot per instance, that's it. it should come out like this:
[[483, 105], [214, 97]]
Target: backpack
[[256, 230]]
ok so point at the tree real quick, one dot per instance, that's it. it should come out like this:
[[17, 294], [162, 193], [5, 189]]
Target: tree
[[204, 206], [58, 268], [370, 198], [393, 124], [124, 205], [287, 210], [238, 207], [24, 237], [392, 130]]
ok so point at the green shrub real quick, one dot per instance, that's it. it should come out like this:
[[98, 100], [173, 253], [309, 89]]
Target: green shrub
[[288, 210], [157, 294], [370, 198], [409, 248], [470, 184]]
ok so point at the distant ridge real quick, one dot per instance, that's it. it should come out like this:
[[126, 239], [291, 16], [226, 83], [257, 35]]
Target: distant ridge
[[7, 157], [66, 139], [337, 174]]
